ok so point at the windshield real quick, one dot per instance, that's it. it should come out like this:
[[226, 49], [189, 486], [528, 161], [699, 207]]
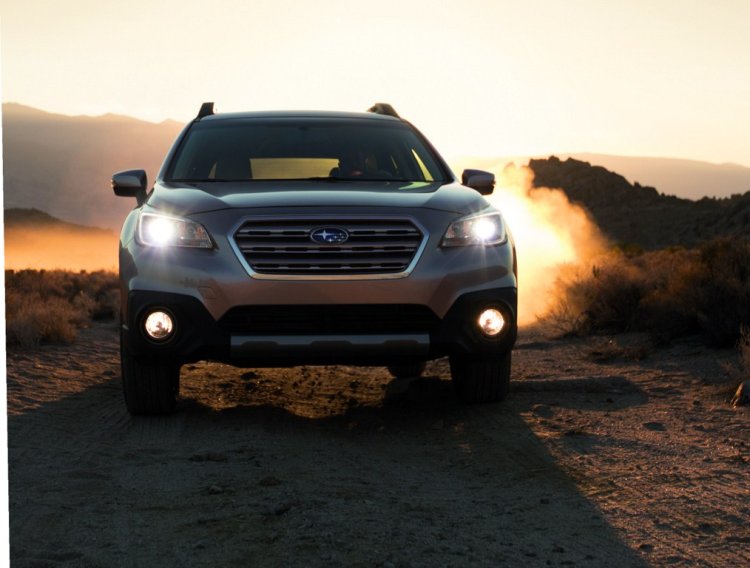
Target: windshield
[[254, 149]]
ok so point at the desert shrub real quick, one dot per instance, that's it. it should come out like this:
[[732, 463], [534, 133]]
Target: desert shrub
[[671, 292], [31, 320], [613, 295], [668, 305], [723, 299], [48, 306], [744, 347]]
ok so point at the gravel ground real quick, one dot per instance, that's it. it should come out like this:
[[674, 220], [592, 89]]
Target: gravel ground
[[608, 452]]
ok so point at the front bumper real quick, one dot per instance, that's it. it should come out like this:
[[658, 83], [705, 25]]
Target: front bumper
[[286, 335], [223, 313]]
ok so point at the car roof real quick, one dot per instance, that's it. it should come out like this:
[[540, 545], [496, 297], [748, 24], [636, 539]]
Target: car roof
[[301, 114]]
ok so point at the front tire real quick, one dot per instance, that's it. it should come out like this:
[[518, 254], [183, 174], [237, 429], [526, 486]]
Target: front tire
[[149, 388], [481, 379]]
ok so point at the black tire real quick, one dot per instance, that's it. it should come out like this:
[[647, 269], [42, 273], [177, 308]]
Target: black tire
[[481, 379], [408, 370], [149, 388]]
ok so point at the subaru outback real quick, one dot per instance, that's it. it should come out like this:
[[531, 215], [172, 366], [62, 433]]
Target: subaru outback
[[275, 239]]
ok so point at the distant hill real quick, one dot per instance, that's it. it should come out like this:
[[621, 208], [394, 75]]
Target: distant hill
[[634, 214], [34, 218], [63, 165], [690, 179]]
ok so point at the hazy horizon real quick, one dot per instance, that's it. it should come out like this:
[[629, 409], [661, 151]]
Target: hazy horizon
[[456, 158], [480, 78], [80, 153]]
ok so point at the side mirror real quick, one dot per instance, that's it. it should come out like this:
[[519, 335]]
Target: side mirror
[[483, 182], [130, 183]]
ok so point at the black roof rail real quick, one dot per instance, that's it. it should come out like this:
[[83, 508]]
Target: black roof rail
[[207, 109], [383, 108]]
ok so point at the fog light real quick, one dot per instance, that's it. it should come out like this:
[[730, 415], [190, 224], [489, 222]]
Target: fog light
[[159, 325], [491, 322]]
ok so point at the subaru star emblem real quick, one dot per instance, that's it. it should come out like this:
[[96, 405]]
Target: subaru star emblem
[[329, 236]]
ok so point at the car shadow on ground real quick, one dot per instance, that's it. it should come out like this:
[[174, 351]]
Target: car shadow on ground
[[253, 470], [474, 478]]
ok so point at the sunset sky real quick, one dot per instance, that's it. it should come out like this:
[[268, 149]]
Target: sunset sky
[[481, 77]]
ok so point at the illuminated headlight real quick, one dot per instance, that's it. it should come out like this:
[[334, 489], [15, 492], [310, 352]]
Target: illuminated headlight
[[487, 229], [163, 231], [491, 322], [158, 325]]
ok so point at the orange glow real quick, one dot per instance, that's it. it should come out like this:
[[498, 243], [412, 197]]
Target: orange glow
[[49, 249], [549, 232]]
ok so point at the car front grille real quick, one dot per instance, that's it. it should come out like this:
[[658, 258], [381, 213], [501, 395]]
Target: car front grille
[[329, 319], [286, 246]]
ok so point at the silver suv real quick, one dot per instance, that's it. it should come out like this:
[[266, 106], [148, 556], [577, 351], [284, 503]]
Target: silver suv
[[304, 238]]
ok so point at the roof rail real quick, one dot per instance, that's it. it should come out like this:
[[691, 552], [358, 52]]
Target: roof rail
[[383, 108], [207, 109]]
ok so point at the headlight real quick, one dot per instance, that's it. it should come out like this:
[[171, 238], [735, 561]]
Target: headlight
[[486, 229], [164, 231]]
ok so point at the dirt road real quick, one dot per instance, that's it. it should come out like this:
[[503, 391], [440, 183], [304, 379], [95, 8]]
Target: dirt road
[[598, 458]]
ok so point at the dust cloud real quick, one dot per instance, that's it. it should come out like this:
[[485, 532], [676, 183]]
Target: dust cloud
[[60, 248], [550, 233]]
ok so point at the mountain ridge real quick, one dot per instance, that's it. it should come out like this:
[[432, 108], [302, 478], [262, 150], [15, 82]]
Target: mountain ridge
[[691, 179], [14, 218], [29, 111], [632, 214], [686, 178], [63, 165]]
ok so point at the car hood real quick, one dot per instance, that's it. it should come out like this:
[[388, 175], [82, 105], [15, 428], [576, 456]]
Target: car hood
[[187, 199]]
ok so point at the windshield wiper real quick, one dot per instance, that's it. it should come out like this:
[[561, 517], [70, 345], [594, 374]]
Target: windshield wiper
[[321, 178]]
